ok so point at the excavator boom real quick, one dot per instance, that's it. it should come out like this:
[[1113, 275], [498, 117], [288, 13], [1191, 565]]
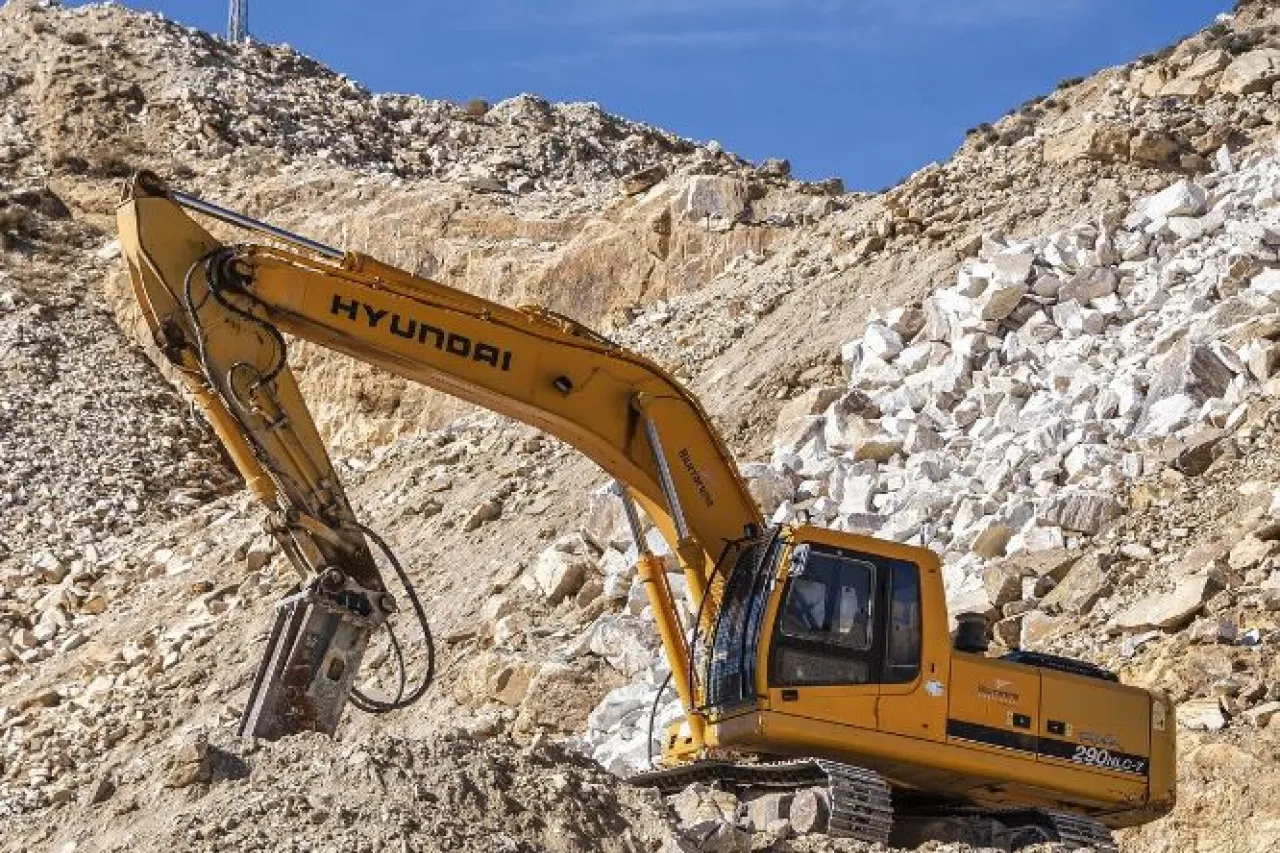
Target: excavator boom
[[217, 313]]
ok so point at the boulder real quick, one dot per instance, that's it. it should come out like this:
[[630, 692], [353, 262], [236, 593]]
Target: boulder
[[1038, 627], [1009, 631], [492, 677], [639, 181], [1260, 716], [711, 197], [768, 486], [992, 539], [1003, 582], [999, 300], [560, 696], [1184, 198], [1251, 72], [628, 643], [881, 341], [1154, 147], [1079, 510], [1085, 583], [1106, 143], [559, 574], [618, 704], [1207, 64], [1199, 453], [1168, 610], [1202, 715], [767, 808], [1249, 552], [191, 763]]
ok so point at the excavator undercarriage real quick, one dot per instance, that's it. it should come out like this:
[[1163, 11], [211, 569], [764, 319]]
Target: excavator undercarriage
[[845, 801]]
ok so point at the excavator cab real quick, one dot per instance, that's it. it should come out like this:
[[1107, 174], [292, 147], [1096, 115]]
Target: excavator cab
[[807, 611]]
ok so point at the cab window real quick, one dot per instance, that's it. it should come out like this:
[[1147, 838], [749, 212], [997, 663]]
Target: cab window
[[826, 632], [902, 657]]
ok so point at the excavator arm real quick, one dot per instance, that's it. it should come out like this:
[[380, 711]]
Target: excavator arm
[[219, 312]]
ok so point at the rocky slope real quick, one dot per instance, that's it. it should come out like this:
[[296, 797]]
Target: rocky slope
[[1079, 361]]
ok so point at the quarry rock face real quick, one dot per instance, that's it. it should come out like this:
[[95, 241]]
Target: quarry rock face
[[1051, 358]]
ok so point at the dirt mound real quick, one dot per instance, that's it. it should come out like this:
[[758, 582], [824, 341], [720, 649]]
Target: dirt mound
[[374, 792]]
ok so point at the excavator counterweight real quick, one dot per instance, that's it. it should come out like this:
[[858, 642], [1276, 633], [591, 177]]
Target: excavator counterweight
[[819, 662]]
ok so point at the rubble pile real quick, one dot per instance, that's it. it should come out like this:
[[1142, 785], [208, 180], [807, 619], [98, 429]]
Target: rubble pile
[[269, 105], [1011, 411], [447, 794]]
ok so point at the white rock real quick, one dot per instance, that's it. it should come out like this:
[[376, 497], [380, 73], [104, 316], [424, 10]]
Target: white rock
[[1184, 198], [559, 573], [628, 643], [881, 341]]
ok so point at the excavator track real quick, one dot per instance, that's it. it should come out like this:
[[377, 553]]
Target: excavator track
[[858, 802], [1076, 832]]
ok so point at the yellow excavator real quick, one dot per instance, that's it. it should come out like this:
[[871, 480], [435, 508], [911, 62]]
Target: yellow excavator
[[817, 660]]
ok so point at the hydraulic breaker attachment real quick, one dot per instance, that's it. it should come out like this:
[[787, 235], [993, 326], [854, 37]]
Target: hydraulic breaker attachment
[[312, 657]]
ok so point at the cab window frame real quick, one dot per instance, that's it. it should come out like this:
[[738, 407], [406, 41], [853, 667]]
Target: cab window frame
[[876, 655]]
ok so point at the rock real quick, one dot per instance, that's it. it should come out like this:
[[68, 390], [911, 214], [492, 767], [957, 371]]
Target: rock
[[1153, 147], [559, 574], [1251, 72], [1009, 631], [775, 167], [768, 486], [488, 510], [628, 643], [1106, 143], [1249, 552], [767, 808], [258, 554], [191, 764], [712, 836], [1200, 453], [991, 541], [1184, 198], [101, 789], [560, 698], [710, 197], [1207, 64], [1196, 370], [618, 704], [639, 181], [1083, 511], [1260, 716], [1202, 715], [809, 811], [1038, 627], [881, 341], [1168, 610], [998, 301], [1084, 584], [1003, 582], [878, 447]]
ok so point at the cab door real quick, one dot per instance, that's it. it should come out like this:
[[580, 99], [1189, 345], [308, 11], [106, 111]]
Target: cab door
[[826, 655]]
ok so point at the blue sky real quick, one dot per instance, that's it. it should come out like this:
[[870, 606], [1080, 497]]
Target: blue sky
[[867, 90]]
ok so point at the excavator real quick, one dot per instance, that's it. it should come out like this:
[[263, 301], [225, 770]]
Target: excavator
[[817, 660]]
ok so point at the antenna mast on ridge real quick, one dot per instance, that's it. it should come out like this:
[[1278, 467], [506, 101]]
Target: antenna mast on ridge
[[238, 22]]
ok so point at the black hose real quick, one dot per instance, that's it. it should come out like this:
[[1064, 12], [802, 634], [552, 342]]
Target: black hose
[[653, 713], [381, 706]]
